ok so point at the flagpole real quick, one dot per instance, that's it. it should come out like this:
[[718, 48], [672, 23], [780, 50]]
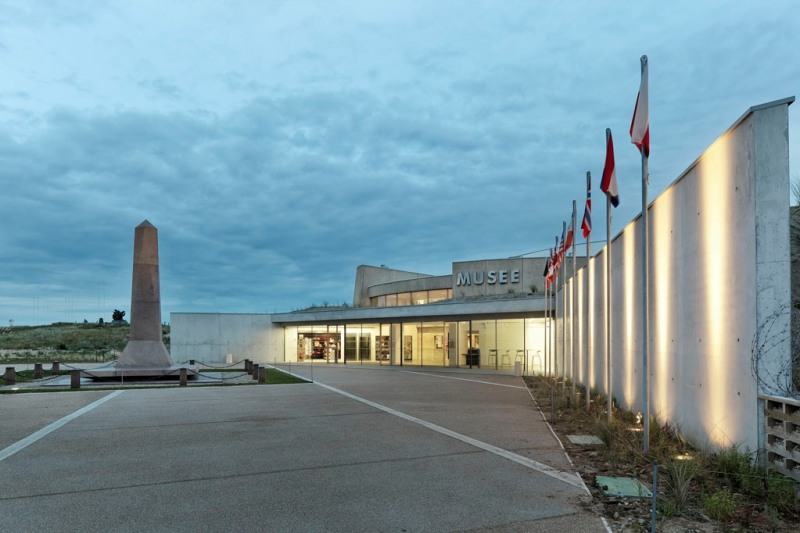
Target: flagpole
[[574, 307], [586, 310], [645, 291], [555, 323], [609, 388], [544, 322], [564, 317], [609, 186]]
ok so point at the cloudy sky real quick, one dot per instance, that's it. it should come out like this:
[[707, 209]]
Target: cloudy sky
[[277, 145]]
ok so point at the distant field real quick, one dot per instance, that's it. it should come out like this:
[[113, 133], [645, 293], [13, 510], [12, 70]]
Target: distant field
[[65, 342]]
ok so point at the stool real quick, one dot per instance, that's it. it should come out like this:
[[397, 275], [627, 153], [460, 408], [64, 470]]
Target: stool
[[505, 361], [493, 353]]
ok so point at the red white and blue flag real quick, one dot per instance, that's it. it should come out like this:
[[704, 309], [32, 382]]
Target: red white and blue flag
[[609, 182], [640, 124], [586, 224]]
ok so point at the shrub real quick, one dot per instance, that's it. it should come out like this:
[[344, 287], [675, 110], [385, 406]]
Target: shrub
[[720, 505]]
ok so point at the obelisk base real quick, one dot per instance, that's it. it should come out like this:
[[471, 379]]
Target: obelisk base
[[144, 354]]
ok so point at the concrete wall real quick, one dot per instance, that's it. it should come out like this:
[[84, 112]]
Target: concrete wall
[[367, 276], [719, 273], [210, 337], [411, 285]]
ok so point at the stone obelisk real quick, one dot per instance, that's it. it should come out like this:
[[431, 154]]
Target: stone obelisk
[[145, 348]]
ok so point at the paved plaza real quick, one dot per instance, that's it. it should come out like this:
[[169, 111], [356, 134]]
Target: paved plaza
[[360, 449]]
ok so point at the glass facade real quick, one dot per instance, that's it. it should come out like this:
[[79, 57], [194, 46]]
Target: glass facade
[[411, 298], [495, 344]]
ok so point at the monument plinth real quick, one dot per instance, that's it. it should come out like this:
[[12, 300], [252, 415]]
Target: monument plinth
[[145, 348]]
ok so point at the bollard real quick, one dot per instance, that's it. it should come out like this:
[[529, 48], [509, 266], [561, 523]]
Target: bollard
[[183, 377], [74, 379], [56, 368], [38, 373], [262, 374], [248, 366], [255, 371], [11, 376]]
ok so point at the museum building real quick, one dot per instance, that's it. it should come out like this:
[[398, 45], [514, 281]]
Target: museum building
[[487, 314], [704, 345]]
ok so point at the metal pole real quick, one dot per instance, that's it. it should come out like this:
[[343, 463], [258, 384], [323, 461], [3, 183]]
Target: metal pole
[[655, 498], [645, 291], [548, 336], [564, 323], [645, 317], [544, 323], [586, 308], [609, 387], [574, 306]]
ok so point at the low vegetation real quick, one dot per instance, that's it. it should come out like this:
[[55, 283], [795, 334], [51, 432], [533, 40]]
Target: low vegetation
[[724, 490], [65, 342]]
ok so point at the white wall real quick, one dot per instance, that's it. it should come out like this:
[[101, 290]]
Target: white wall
[[210, 337], [719, 267]]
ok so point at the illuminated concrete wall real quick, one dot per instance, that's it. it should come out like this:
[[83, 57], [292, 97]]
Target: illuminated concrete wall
[[210, 337], [719, 272]]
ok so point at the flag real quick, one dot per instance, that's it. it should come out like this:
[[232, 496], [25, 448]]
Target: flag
[[640, 125], [609, 182], [546, 273], [556, 258], [586, 224], [570, 232], [561, 248], [549, 270]]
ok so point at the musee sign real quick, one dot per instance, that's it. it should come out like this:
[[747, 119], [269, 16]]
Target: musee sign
[[491, 276]]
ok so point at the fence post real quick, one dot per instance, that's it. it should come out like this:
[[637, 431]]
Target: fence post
[[75, 379], [254, 370], [183, 377], [262, 374], [56, 368], [11, 376], [38, 373]]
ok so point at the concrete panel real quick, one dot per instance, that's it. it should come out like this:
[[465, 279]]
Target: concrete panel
[[210, 337]]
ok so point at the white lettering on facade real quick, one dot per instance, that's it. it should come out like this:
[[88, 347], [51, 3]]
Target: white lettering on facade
[[491, 277]]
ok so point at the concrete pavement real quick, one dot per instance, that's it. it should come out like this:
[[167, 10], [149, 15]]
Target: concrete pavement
[[366, 449]]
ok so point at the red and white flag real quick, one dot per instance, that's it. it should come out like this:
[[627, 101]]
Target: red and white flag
[[640, 125], [609, 182], [570, 232]]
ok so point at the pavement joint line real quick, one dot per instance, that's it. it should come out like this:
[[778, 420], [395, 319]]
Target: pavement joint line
[[465, 379], [33, 437], [566, 477]]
